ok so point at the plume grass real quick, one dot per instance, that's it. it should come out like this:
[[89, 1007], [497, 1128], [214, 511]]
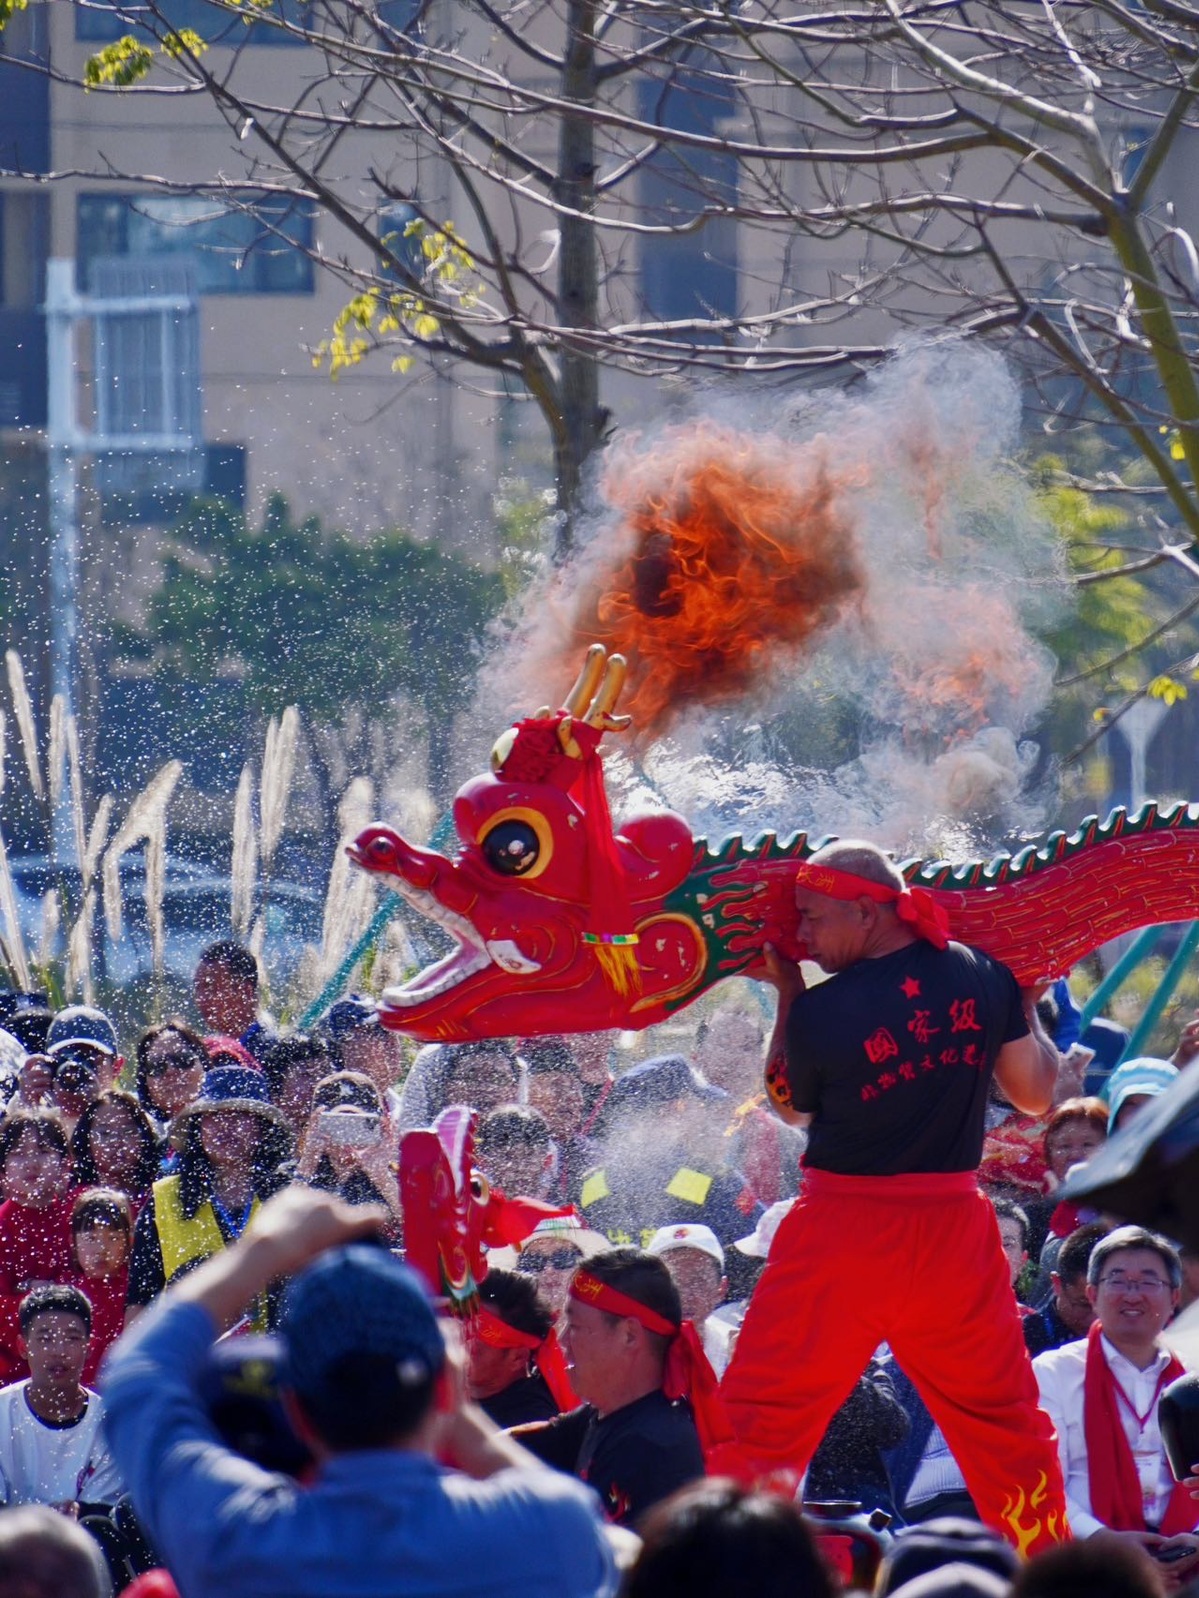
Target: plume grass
[[23, 709], [350, 897], [96, 839], [156, 879], [75, 778], [15, 956], [243, 868], [57, 748], [278, 768], [138, 824], [3, 749], [79, 950], [51, 925]]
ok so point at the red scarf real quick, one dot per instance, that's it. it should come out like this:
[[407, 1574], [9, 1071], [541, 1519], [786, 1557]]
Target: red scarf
[[915, 907], [688, 1373], [1115, 1487], [547, 1353]]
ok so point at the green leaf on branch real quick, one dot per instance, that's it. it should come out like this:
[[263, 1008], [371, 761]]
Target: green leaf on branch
[[120, 64], [9, 9]]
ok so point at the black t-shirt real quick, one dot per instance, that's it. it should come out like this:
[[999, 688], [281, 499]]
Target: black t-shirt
[[524, 1400], [893, 1057], [633, 1457]]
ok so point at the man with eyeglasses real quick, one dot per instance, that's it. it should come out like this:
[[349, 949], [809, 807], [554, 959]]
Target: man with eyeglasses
[[1102, 1393]]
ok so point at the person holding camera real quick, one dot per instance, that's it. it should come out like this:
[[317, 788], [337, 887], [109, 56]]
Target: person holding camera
[[347, 1146]]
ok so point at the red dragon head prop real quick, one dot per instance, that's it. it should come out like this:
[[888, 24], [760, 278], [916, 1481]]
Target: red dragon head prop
[[451, 1215]]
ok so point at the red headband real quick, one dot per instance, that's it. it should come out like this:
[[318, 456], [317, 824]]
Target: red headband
[[490, 1329], [546, 1352], [915, 907], [688, 1373]]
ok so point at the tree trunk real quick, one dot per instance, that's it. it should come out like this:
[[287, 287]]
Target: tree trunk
[[581, 418]]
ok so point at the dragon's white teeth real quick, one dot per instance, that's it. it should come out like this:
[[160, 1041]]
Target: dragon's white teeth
[[471, 955], [509, 958]]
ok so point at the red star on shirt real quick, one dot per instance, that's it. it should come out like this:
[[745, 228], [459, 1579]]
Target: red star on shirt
[[910, 988]]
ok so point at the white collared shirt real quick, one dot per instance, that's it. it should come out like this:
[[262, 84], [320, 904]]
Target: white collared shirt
[[1061, 1374]]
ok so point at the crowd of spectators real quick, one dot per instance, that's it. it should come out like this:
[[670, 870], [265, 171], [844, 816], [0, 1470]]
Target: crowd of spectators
[[227, 1177]]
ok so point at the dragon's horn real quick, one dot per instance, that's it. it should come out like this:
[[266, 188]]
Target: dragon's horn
[[588, 680], [600, 713]]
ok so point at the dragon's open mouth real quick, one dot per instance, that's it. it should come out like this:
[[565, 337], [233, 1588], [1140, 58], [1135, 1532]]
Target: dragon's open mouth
[[472, 954]]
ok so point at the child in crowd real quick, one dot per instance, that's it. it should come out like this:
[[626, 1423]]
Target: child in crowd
[[52, 1446], [101, 1243], [35, 1220]]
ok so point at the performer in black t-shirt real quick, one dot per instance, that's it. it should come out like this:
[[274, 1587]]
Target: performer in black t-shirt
[[889, 1064], [651, 1413]]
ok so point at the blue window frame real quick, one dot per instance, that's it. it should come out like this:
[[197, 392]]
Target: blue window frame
[[105, 20], [260, 249]]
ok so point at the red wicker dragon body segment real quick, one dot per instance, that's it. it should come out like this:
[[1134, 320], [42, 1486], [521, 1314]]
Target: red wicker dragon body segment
[[559, 925]]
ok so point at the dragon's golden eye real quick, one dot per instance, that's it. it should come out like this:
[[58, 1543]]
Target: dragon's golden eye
[[517, 842], [512, 848]]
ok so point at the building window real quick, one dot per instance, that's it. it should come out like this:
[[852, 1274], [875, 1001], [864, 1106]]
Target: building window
[[256, 250], [691, 272], [104, 20]]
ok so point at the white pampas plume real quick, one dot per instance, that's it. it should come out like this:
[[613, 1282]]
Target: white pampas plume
[[278, 766], [138, 824], [54, 756], [75, 775], [3, 726], [350, 898], [14, 940], [51, 923], [79, 950], [243, 868], [24, 713], [96, 839], [156, 877], [257, 935]]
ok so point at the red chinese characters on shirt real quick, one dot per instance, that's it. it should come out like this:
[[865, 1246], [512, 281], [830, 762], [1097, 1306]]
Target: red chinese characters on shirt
[[881, 1046]]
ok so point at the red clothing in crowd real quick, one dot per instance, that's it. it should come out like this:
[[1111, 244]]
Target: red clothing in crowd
[[35, 1246], [106, 1295]]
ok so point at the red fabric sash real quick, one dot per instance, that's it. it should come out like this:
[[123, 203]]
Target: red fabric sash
[[688, 1373], [915, 907], [1115, 1487], [547, 1353]]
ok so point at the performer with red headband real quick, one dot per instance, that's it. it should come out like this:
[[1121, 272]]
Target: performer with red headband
[[515, 1370], [651, 1418], [889, 1063]]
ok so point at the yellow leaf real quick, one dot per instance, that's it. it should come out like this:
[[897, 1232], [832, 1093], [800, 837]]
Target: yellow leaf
[[402, 363], [187, 39], [9, 9], [1177, 453], [119, 64]]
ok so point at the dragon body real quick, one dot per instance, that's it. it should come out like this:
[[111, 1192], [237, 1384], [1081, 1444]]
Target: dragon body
[[517, 898]]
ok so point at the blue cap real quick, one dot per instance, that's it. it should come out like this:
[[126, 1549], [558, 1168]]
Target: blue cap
[[354, 1303], [232, 1087], [1144, 1075], [81, 1023]]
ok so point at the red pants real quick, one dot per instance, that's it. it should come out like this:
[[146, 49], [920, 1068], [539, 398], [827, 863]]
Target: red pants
[[913, 1261]]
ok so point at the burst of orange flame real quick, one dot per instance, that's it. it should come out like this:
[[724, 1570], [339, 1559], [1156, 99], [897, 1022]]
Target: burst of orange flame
[[731, 554]]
